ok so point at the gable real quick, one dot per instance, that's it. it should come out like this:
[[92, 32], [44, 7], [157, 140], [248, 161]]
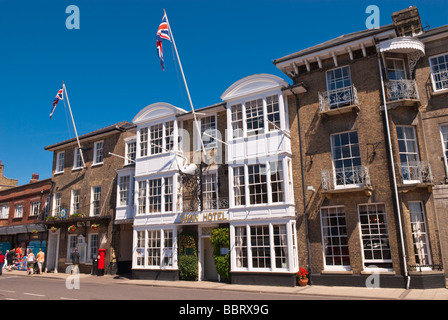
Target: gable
[[253, 85], [156, 111]]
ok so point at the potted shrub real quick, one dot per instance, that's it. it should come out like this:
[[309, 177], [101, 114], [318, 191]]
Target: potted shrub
[[302, 277]]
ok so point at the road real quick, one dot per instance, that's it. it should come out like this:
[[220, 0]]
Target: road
[[35, 288]]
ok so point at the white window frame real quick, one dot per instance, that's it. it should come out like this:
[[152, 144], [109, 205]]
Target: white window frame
[[329, 235], [75, 200], [433, 81], [210, 190], [156, 142], [35, 208], [143, 137], [208, 133], [57, 203], [89, 247], [408, 153], [444, 139], [60, 159], [124, 190], [98, 153], [77, 159], [352, 159], [164, 249], [372, 262], [71, 245], [94, 201], [142, 196], [420, 236], [243, 243], [339, 88], [245, 185], [131, 149], [18, 211], [4, 211]]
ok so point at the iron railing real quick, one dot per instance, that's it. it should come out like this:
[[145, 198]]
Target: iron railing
[[401, 90], [418, 171], [345, 177], [338, 98]]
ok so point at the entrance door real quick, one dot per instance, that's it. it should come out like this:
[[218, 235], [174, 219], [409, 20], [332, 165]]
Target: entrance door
[[210, 273], [52, 251]]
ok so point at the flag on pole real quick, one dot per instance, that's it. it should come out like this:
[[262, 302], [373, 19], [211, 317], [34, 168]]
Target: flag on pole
[[163, 33], [59, 96]]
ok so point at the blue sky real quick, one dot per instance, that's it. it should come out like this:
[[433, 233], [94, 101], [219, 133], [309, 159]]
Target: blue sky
[[111, 68]]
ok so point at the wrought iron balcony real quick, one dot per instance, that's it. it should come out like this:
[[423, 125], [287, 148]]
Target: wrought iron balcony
[[401, 90], [416, 172], [345, 178], [209, 204], [338, 98]]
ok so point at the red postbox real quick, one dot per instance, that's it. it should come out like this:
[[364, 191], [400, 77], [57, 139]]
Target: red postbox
[[101, 258]]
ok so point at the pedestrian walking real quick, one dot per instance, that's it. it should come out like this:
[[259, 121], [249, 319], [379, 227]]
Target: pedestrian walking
[[30, 260], [40, 259], [2, 261], [5, 264], [10, 259], [75, 261]]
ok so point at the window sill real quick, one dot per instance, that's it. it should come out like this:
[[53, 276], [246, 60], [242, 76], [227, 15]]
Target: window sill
[[76, 169], [336, 272], [439, 92], [97, 164]]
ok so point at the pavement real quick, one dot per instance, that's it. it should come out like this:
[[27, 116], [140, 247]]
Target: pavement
[[312, 290]]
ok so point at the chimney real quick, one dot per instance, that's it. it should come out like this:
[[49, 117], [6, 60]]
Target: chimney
[[34, 178], [407, 22]]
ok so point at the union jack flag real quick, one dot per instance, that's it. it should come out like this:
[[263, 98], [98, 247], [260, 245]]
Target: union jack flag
[[59, 96], [163, 33]]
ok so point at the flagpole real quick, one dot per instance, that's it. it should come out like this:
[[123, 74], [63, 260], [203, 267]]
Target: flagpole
[[185, 82], [73, 121]]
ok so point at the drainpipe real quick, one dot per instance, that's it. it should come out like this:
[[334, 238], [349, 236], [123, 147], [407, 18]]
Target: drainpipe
[[303, 181], [397, 201]]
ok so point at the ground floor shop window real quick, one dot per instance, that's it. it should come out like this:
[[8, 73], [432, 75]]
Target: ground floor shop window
[[264, 247], [375, 236], [334, 238]]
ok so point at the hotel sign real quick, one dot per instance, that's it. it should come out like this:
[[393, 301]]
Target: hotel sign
[[201, 217]]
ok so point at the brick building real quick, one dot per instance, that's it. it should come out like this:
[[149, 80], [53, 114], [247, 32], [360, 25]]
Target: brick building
[[6, 183], [84, 196], [21, 211], [373, 135]]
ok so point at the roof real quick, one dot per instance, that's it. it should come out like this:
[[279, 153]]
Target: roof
[[346, 38], [120, 127]]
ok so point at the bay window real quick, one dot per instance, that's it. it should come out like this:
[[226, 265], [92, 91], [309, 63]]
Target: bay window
[[154, 248], [262, 183], [155, 195], [263, 247], [255, 117]]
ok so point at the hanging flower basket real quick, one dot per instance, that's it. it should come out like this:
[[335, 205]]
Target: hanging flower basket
[[34, 231], [53, 229], [95, 226], [72, 228]]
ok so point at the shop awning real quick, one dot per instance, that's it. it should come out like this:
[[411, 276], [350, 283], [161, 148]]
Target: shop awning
[[24, 228]]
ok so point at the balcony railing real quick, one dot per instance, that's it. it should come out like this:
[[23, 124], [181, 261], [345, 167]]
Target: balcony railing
[[416, 172], [401, 90], [334, 99], [211, 204], [353, 177]]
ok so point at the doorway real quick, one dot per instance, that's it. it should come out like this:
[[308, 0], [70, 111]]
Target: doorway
[[52, 252], [209, 270]]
